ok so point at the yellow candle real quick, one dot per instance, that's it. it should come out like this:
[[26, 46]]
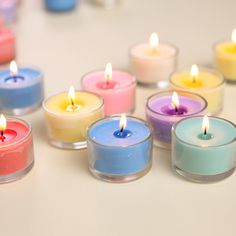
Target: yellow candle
[[206, 82], [68, 116], [225, 58]]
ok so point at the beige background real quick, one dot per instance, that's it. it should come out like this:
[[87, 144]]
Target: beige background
[[60, 197]]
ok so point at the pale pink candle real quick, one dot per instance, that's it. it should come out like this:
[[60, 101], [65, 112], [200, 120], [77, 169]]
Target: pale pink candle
[[153, 62], [116, 87]]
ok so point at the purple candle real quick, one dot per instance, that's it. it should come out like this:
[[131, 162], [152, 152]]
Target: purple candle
[[164, 109]]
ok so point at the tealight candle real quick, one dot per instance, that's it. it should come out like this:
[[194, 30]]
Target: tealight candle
[[225, 58], [68, 115], [8, 9], [21, 90], [60, 5], [16, 149], [204, 150], [115, 86], [207, 82], [119, 150], [7, 45], [164, 109], [153, 63]]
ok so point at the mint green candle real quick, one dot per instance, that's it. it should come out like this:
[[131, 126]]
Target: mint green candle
[[201, 155]]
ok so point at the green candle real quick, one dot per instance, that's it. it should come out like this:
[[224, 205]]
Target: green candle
[[204, 152]]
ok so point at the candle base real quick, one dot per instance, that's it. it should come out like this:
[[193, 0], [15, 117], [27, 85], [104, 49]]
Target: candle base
[[203, 178], [160, 144], [112, 178], [16, 176], [21, 111], [162, 84], [64, 145]]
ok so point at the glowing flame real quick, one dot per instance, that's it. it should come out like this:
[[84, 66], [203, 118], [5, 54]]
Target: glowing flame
[[71, 95], [154, 41], [194, 72], [233, 37], [205, 124], [175, 100], [108, 72], [3, 123], [123, 122], [13, 68]]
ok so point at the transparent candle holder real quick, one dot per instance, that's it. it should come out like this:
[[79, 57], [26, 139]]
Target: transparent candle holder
[[8, 9], [204, 159], [122, 162], [213, 92], [162, 123], [153, 70], [68, 130], [16, 158]]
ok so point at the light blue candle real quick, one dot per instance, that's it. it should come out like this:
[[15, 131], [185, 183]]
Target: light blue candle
[[118, 155], [204, 156], [20, 93], [60, 5]]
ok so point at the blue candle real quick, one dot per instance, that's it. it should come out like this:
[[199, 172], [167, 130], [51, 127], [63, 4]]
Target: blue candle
[[60, 5], [21, 91], [119, 153]]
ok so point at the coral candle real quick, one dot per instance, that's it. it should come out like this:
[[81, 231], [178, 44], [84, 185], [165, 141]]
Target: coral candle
[[153, 62], [16, 149], [7, 45], [119, 149], [225, 57], [21, 90], [69, 114], [204, 150], [206, 82], [115, 86], [164, 109]]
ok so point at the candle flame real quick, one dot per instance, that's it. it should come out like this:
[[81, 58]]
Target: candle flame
[[13, 68], [3, 123], [71, 95], [123, 122], [154, 41], [205, 124], [194, 72], [233, 37], [175, 100], [108, 72]]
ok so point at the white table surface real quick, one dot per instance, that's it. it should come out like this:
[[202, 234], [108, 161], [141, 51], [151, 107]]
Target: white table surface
[[59, 196]]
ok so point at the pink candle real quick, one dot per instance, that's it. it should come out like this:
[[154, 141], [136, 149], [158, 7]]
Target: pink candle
[[116, 87], [16, 149], [7, 45]]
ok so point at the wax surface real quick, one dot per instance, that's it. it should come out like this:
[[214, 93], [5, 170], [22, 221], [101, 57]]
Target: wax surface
[[58, 103], [120, 99], [160, 105], [104, 133], [60, 5], [223, 132]]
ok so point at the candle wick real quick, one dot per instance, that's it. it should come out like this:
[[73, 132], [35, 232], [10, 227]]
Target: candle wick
[[121, 129], [205, 132], [2, 136], [176, 109], [194, 79]]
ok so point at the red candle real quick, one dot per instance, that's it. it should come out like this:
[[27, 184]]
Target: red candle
[[16, 149], [7, 45]]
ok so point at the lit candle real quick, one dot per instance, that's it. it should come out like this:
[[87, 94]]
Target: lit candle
[[206, 82], [204, 150], [60, 5], [225, 57], [8, 10], [21, 90], [16, 149], [164, 109], [68, 115], [153, 62], [115, 86], [119, 150], [7, 44]]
